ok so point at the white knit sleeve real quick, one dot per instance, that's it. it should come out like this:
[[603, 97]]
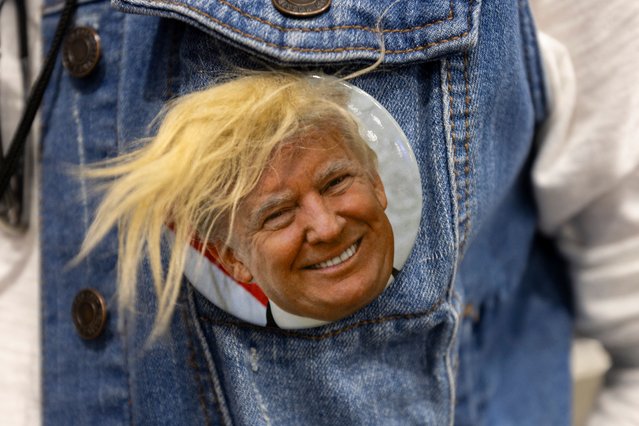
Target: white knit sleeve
[[587, 179]]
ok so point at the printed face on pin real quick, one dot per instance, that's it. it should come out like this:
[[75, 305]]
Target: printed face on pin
[[321, 234], [314, 234]]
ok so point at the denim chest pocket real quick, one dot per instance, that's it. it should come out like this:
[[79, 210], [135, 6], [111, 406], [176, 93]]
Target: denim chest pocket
[[202, 41], [391, 361]]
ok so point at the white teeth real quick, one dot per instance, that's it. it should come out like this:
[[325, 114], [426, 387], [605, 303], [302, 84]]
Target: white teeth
[[347, 254]]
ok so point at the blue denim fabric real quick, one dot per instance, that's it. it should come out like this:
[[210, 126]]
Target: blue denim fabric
[[474, 330]]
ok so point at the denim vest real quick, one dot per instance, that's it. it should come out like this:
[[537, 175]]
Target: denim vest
[[474, 330]]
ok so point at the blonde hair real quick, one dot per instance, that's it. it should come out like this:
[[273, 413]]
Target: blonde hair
[[209, 153]]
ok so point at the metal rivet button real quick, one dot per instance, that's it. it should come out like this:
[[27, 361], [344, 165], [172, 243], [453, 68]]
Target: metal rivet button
[[89, 313], [81, 51], [302, 8]]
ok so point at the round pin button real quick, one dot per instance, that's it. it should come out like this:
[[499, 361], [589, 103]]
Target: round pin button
[[302, 8], [89, 313], [81, 51]]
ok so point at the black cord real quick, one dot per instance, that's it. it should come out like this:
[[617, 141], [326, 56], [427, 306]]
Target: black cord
[[21, 11], [10, 163], [23, 45], [1, 143]]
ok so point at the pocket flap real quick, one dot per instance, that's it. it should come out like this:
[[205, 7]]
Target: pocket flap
[[414, 30]]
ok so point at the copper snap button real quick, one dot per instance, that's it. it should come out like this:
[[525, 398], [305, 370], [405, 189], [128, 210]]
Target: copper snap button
[[81, 51], [89, 313], [302, 8]]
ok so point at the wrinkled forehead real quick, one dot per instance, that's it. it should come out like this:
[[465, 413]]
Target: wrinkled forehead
[[310, 159], [318, 140]]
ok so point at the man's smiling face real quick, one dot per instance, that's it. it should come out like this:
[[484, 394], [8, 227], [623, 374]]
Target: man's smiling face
[[313, 234]]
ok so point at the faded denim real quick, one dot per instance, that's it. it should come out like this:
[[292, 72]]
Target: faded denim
[[475, 329]]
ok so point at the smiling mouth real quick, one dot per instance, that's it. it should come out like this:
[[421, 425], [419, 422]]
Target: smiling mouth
[[343, 257]]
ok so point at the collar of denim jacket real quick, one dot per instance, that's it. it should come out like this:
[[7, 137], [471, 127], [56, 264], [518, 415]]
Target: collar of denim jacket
[[426, 32]]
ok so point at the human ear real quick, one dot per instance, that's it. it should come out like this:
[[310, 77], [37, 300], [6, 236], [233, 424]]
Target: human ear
[[232, 264], [378, 187]]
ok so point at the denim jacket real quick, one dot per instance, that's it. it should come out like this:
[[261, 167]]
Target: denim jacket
[[474, 330]]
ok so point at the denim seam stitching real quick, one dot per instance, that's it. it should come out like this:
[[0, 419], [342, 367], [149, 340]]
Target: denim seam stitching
[[451, 16], [332, 333], [451, 118], [462, 196], [321, 50], [196, 374], [467, 188]]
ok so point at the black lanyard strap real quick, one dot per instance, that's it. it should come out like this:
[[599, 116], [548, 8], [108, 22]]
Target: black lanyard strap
[[9, 165]]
